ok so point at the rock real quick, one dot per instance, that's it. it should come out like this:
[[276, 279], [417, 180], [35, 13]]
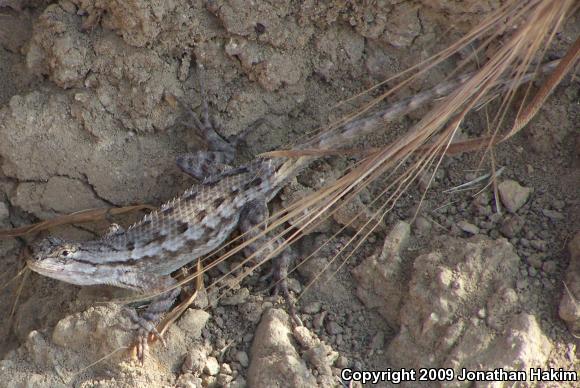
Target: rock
[[193, 321], [438, 313], [535, 261], [553, 215], [238, 298], [322, 357], [226, 368], [523, 345], [512, 195], [274, 360], [422, 226], [549, 266], [379, 278], [223, 380], [188, 380], [569, 309], [311, 307], [195, 361], [333, 328], [341, 362], [239, 382], [511, 226], [242, 358], [539, 245], [467, 227], [95, 331], [378, 341], [211, 367]]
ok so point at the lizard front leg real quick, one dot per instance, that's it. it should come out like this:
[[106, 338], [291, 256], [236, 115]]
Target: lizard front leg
[[146, 322], [212, 164]]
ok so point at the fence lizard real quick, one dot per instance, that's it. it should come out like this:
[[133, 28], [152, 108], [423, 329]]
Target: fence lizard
[[142, 257]]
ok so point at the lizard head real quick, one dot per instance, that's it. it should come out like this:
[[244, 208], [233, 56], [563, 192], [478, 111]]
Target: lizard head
[[58, 259]]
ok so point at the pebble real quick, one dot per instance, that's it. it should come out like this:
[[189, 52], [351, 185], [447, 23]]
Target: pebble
[[483, 198], [467, 227], [553, 215], [312, 307], [188, 380], [294, 285], [378, 341], [513, 195], [547, 284], [539, 245], [208, 381], [485, 225], [511, 226], [333, 328], [225, 368], [212, 367], [194, 362], [341, 362], [242, 358], [550, 266], [239, 382], [223, 380], [238, 298], [318, 320], [495, 217], [305, 337], [422, 226], [522, 284], [484, 210], [535, 261]]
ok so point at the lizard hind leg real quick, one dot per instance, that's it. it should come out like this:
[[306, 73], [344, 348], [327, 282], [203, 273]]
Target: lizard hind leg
[[253, 214]]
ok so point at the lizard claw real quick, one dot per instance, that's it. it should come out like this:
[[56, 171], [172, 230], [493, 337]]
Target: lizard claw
[[281, 288], [145, 328]]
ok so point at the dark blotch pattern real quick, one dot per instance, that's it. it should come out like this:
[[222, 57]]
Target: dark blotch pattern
[[218, 201], [200, 216], [182, 227], [168, 210], [253, 183], [157, 238]]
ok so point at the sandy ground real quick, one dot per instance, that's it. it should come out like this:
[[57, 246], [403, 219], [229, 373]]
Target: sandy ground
[[87, 120]]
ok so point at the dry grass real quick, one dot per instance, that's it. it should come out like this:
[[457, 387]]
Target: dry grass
[[529, 30], [525, 30]]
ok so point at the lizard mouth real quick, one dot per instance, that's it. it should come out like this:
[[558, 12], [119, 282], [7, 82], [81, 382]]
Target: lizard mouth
[[34, 265]]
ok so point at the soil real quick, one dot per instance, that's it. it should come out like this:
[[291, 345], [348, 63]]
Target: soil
[[88, 119]]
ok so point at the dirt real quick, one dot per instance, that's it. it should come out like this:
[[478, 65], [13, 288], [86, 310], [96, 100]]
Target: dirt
[[88, 119]]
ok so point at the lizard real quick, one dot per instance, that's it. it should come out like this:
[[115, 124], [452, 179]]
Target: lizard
[[142, 257]]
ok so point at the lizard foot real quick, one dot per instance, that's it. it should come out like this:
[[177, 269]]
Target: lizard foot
[[145, 328], [281, 288]]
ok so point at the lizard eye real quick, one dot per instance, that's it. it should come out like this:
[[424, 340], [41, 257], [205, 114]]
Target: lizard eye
[[65, 252]]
